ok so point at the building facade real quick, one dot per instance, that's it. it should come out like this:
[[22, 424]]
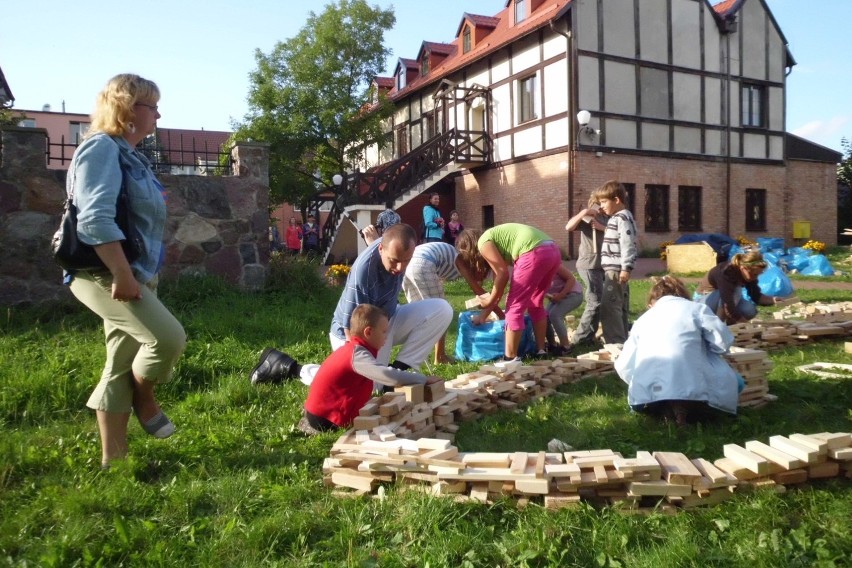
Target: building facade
[[681, 100]]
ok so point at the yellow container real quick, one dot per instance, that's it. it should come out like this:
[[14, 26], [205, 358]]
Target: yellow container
[[801, 229]]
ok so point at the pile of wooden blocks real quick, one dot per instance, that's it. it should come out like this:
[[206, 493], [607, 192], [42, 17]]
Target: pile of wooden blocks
[[753, 365], [600, 477], [418, 411], [795, 324]]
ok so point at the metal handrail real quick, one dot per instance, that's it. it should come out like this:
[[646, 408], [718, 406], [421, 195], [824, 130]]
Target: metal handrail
[[392, 180]]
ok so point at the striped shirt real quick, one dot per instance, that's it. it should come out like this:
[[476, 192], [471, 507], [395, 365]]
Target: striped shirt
[[443, 256], [368, 283], [619, 243]]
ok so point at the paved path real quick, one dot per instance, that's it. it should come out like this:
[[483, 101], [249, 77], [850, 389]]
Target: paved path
[[655, 266]]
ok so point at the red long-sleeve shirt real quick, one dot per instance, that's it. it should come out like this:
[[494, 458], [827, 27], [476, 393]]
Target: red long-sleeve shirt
[[344, 382]]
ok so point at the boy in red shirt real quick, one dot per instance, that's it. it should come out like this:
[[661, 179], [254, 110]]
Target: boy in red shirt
[[344, 382]]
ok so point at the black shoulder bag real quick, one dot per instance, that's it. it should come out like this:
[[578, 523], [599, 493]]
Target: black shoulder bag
[[71, 253]]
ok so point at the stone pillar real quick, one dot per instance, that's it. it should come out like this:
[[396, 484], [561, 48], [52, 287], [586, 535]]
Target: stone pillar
[[251, 159]]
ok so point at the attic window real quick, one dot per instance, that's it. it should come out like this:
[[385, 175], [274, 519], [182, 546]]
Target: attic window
[[466, 39], [424, 63], [520, 11], [400, 78]]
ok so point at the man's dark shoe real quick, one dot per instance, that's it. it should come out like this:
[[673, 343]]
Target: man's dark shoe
[[273, 367]]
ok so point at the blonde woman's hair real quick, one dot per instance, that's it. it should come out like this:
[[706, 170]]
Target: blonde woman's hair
[[611, 190], [749, 259], [364, 316], [114, 112], [667, 286]]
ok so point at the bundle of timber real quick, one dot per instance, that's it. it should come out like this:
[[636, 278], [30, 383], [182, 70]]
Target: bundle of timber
[[599, 477], [753, 365]]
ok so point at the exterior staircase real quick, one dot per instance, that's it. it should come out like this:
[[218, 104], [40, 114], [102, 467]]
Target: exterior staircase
[[364, 195]]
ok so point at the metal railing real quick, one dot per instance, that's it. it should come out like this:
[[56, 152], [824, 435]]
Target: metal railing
[[165, 158], [392, 180]]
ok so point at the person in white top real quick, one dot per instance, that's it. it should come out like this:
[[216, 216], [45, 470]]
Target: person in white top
[[672, 361]]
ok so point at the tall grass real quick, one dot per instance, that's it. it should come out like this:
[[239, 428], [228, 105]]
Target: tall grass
[[237, 485]]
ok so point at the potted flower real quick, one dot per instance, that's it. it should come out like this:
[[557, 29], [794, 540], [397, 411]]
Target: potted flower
[[336, 274]]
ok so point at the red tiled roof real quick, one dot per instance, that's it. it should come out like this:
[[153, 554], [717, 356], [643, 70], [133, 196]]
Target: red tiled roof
[[384, 82], [478, 21], [503, 34], [723, 8], [439, 48], [186, 146]]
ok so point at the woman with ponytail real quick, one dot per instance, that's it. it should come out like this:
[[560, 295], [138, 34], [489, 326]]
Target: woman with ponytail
[[722, 288]]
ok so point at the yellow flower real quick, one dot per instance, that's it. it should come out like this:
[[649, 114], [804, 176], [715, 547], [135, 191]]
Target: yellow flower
[[337, 271], [816, 246]]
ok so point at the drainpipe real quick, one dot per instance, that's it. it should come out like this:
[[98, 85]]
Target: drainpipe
[[572, 141], [730, 26]]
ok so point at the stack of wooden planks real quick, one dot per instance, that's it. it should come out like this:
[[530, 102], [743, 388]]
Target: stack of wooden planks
[[754, 366], [599, 477]]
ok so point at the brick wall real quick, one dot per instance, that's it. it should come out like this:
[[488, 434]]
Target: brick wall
[[535, 192]]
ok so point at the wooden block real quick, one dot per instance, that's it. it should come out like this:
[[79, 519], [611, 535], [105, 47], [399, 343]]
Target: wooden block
[[486, 459], [365, 422], [533, 485], [561, 500], [774, 455], [600, 474], [434, 391], [658, 488], [834, 440], [848, 346], [712, 498], [369, 409], [519, 462], [562, 470], [391, 408], [539, 464], [747, 459], [841, 454], [739, 471], [354, 480], [676, 468], [826, 469], [791, 477], [795, 449], [413, 393], [479, 492], [712, 476], [819, 445]]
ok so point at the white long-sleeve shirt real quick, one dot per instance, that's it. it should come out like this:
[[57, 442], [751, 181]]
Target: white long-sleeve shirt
[[674, 352]]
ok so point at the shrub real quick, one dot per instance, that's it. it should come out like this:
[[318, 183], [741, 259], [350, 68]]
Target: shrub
[[297, 275]]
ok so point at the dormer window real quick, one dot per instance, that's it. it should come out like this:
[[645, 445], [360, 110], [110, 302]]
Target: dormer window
[[424, 64], [520, 11], [400, 78], [466, 39]]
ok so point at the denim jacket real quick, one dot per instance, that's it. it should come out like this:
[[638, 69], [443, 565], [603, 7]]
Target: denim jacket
[[94, 180]]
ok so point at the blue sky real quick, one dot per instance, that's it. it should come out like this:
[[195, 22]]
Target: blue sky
[[200, 52]]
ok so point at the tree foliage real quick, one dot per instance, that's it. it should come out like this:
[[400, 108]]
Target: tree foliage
[[310, 97], [844, 170]]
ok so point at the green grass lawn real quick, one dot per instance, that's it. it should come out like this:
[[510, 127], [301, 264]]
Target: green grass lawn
[[237, 485]]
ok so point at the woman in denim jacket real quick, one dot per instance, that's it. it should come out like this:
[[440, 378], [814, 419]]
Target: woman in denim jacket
[[143, 339]]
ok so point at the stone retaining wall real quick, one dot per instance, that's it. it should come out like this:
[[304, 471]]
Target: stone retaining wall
[[216, 225]]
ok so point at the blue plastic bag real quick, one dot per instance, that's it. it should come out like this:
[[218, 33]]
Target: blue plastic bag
[[773, 282], [817, 265], [486, 341], [771, 244]]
